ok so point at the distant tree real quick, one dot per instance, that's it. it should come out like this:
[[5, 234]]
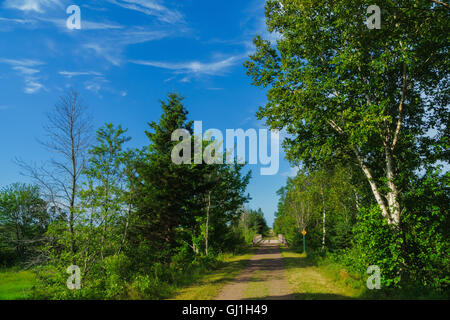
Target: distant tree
[[224, 199], [250, 223], [300, 200], [23, 219]]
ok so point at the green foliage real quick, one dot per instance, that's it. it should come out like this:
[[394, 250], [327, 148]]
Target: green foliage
[[335, 85], [309, 196], [250, 223], [165, 193], [378, 244], [23, 221], [142, 223], [376, 100], [179, 205], [417, 254], [426, 226], [117, 275]]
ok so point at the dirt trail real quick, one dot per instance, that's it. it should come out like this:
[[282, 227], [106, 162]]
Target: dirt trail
[[263, 278]]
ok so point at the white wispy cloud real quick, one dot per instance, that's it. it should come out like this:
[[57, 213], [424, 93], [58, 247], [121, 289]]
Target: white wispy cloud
[[151, 8], [70, 74], [21, 62], [95, 85], [85, 24], [26, 68], [20, 21], [33, 85], [194, 67], [32, 5], [112, 45], [110, 53]]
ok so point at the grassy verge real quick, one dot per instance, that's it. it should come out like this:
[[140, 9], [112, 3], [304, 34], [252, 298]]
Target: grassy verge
[[15, 285], [311, 281], [209, 285], [341, 283]]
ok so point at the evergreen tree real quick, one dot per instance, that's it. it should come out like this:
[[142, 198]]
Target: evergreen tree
[[165, 193]]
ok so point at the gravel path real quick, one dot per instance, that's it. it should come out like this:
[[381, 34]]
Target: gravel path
[[263, 278]]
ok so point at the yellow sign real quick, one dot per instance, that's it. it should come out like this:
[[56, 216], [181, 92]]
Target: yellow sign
[[303, 232]]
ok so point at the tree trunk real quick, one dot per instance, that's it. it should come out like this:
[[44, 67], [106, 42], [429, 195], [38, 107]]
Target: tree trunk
[[124, 236], [356, 202], [207, 222], [324, 218], [73, 190], [378, 196], [392, 196]]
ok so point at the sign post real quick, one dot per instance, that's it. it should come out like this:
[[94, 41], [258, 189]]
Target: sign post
[[304, 240]]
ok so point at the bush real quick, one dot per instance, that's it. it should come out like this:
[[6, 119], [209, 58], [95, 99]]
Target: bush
[[379, 244], [426, 225], [416, 256]]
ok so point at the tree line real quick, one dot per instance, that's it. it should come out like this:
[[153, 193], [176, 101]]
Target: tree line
[[366, 117], [133, 221]]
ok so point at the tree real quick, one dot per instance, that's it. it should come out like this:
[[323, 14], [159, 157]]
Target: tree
[[299, 200], [106, 198], [68, 135], [250, 223], [347, 93], [224, 195], [322, 200], [165, 192], [23, 217]]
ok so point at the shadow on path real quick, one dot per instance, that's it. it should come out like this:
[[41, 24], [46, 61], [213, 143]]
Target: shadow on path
[[267, 268]]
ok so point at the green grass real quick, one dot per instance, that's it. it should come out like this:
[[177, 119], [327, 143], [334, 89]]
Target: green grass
[[322, 278], [310, 281], [209, 286], [15, 285], [257, 288]]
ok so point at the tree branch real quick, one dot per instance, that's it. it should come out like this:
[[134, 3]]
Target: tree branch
[[400, 110], [441, 3]]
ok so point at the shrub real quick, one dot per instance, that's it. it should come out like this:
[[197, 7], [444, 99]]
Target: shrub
[[377, 243]]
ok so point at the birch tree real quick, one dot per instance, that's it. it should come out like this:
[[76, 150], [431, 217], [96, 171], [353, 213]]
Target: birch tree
[[344, 92]]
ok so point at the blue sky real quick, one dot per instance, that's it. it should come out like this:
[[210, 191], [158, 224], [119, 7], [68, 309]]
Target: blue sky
[[128, 55]]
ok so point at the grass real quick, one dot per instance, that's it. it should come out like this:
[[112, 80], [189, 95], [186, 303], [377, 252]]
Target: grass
[[310, 281], [209, 286], [15, 285], [257, 288]]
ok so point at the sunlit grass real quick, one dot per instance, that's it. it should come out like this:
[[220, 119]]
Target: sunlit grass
[[209, 286], [15, 285], [309, 281], [257, 288]]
